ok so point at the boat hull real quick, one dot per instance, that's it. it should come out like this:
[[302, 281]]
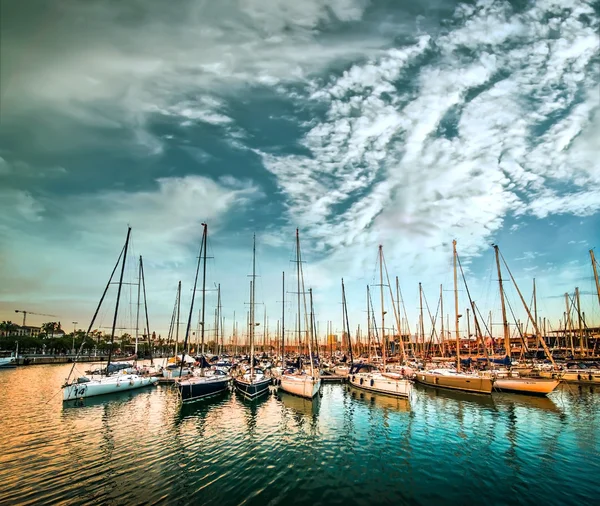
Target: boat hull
[[202, 387], [302, 386], [475, 384], [7, 362], [591, 377], [388, 384], [104, 386], [529, 386], [252, 389]]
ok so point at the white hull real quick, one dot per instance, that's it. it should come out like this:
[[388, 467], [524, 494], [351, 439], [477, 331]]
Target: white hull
[[8, 362], [302, 385], [107, 385], [174, 373], [383, 383]]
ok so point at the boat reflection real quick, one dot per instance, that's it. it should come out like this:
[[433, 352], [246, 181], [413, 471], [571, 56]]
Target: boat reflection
[[467, 398], [382, 401], [527, 401], [112, 399], [301, 405]]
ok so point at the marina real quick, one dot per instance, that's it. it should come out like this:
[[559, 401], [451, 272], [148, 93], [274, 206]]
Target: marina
[[344, 446]]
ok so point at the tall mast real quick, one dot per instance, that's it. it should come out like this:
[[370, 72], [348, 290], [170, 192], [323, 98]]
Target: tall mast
[[535, 312], [189, 322], [114, 325], [456, 317], [282, 318], [251, 330], [595, 269], [369, 321], [137, 313], [442, 313], [298, 280], [252, 295], [203, 296], [346, 323], [579, 321], [146, 310], [503, 305], [568, 323], [530, 316], [421, 319], [218, 326], [177, 323], [383, 342]]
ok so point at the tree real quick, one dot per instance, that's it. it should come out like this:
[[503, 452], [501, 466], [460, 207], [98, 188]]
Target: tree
[[49, 328], [8, 328]]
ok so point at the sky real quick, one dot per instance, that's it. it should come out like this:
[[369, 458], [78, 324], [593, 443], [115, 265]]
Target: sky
[[400, 123]]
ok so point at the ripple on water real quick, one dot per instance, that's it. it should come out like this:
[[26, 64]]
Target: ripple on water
[[348, 447]]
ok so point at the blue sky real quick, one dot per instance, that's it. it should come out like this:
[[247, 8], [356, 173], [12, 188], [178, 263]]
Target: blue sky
[[360, 122]]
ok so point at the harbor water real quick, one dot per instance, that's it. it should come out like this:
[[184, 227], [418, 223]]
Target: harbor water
[[344, 447]]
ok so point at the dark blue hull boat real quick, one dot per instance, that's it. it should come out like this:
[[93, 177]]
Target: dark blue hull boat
[[252, 389], [202, 387]]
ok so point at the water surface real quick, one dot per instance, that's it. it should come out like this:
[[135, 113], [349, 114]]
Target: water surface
[[347, 447]]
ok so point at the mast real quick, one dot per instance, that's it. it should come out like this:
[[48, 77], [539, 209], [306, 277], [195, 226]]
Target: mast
[[502, 303], [298, 281], [421, 318], [114, 325], [535, 312], [535, 325], [456, 316], [137, 315], [146, 310], [579, 321], [595, 269], [203, 296], [189, 322], [383, 342], [218, 322], [569, 324], [282, 318], [251, 330], [369, 336], [177, 324], [252, 295], [346, 323], [442, 318]]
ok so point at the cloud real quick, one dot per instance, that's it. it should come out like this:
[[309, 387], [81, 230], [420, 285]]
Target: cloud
[[444, 137], [112, 66], [65, 257]]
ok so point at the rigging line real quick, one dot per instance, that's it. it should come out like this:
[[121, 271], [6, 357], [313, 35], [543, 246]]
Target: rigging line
[[95, 313], [433, 331], [516, 324], [462, 273]]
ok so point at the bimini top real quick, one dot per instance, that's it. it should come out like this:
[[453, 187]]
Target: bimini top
[[354, 368]]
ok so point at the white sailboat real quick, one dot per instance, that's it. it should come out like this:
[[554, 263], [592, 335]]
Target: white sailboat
[[305, 383], [368, 376], [91, 386]]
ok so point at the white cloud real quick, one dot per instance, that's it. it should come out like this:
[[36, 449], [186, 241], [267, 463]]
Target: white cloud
[[100, 67], [379, 172]]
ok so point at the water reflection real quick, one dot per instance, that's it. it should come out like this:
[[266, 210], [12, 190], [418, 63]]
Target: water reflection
[[385, 402], [350, 446]]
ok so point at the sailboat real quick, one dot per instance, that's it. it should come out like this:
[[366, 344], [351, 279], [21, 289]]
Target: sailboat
[[6, 362], [371, 378], [300, 382], [513, 383], [85, 386], [455, 379], [253, 383], [206, 383]]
